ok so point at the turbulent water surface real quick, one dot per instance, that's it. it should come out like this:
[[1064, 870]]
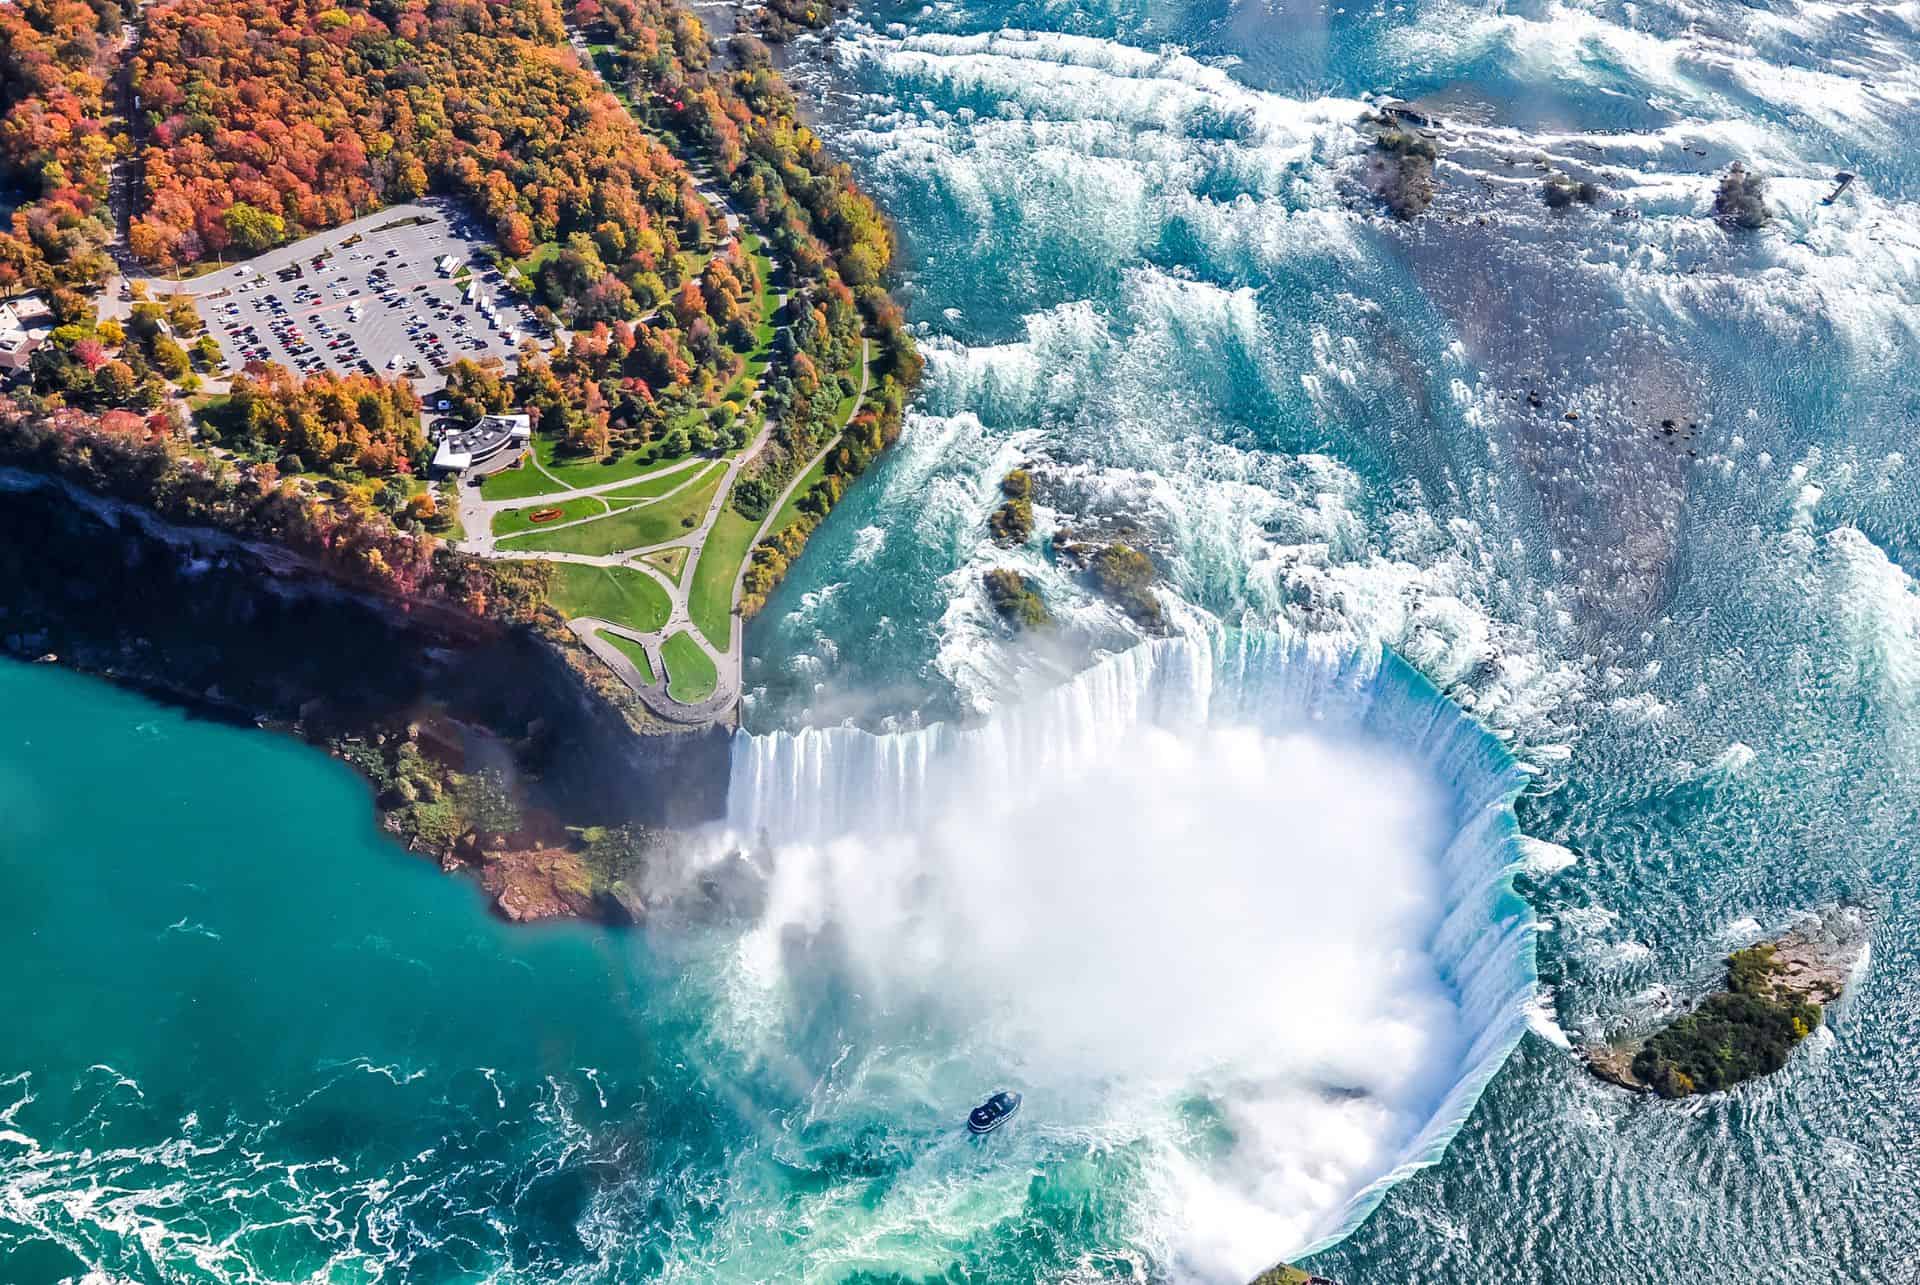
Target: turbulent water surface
[[1244, 912]]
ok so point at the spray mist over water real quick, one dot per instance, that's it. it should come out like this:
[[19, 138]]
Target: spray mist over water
[[1235, 916]]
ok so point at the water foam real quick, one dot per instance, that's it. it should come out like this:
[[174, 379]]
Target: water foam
[[1267, 882]]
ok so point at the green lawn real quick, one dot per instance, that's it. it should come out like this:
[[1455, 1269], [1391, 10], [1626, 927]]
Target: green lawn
[[633, 652], [521, 483], [631, 528], [624, 595], [594, 472], [691, 676], [710, 599], [516, 520], [791, 509], [537, 258], [659, 485], [527, 482]]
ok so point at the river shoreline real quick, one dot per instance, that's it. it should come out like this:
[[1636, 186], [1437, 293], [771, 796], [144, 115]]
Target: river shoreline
[[102, 589]]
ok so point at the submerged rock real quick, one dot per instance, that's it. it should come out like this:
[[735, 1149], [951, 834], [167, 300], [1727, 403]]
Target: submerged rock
[[1400, 170], [1775, 997]]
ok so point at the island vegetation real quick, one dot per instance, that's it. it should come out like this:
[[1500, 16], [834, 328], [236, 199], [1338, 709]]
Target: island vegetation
[[1744, 1031], [1774, 997], [1561, 191], [1015, 600], [1126, 575], [1012, 522]]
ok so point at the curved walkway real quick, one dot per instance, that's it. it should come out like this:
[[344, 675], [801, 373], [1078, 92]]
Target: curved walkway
[[588, 629]]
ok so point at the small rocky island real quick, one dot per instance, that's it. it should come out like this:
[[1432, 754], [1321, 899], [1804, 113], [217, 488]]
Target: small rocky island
[[1776, 993]]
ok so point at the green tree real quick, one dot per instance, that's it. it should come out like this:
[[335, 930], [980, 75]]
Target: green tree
[[253, 229]]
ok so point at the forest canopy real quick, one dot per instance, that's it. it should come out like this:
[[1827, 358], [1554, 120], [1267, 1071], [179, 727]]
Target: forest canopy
[[264, 120]]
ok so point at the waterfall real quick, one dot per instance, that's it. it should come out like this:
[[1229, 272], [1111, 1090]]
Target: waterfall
[[821, 786]]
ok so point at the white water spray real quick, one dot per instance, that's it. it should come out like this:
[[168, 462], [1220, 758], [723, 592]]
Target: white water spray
[[1237, 911]]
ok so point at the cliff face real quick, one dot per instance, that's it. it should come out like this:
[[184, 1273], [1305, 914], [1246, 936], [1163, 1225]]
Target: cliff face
[[448, 717], [1777, 992]]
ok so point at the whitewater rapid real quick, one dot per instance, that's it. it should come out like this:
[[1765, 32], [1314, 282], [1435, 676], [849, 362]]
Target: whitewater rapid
[[1267, 882]]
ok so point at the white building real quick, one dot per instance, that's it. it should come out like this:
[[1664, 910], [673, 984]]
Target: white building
[[447, 265], [493, 443], [25, 324]]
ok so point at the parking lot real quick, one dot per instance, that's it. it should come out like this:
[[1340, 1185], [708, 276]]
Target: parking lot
[[400, 293]]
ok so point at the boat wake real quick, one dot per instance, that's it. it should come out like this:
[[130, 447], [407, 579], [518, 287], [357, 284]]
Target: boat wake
[[1235, 914]]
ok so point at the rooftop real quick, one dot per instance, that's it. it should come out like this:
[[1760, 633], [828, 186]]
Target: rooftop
[[481, 441]]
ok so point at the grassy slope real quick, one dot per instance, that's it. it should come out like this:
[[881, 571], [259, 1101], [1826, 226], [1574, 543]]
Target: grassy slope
[[710, 599], [593, 473], [690, 673], [527, 482], [515, 520], [656, 486], [633, 652], [621, 594], [521, 483], [632, 528]]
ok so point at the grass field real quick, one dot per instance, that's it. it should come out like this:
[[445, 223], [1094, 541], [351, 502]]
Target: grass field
[[631, 528], [521, 483], [657, 486], [624, 595], [593, 473], [710, 598], [634, 652], [517, 520], [791, 509], [691, 676], [528, 482], [672, 561]]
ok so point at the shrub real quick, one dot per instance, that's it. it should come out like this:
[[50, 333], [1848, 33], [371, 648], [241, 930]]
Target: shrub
[[1012, 522], [1015, 599], [1744, 1031], [1126, 575]]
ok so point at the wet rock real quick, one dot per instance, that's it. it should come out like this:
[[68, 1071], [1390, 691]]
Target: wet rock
[[1741, 201], [1400, 171]]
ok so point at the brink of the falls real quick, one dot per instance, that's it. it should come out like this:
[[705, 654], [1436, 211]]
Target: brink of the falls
[[1236, 914]]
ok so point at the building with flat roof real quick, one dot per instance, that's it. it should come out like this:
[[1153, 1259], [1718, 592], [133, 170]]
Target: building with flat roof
[[492, 443], [25, 324]]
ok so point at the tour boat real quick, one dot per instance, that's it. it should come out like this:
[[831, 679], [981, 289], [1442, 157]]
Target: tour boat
[[994, 1112]]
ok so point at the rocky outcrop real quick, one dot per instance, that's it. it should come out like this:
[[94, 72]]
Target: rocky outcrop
[[1741, 199], [1776, 995], [1400, 169]]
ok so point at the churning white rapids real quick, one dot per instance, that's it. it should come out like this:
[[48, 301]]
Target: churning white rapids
[[1235, 916]]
